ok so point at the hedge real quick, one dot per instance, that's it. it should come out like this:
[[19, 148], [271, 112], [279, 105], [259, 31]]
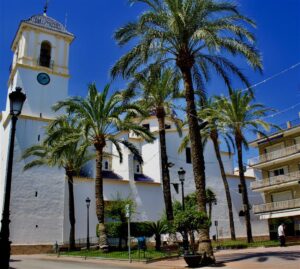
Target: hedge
[[119, 229]]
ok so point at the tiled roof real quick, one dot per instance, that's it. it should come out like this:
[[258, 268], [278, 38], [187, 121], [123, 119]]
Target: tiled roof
[[142, 178], [110, 175], [47, 23]]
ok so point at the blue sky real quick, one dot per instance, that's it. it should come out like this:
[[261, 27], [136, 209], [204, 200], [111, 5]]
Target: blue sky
[[94, 51]]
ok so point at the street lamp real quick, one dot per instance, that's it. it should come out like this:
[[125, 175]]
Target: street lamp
[[17, 99], [181, 175], [88, 202]]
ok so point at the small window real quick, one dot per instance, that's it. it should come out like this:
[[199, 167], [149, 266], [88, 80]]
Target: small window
[[138, 168], [278, 172], [106, 165], [167, 126], [188, 155], [45, 54], [147, 126]]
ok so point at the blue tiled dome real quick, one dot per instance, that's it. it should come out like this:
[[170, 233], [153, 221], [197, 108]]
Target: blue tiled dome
[[47, 23]]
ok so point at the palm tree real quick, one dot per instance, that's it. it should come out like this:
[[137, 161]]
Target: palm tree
[[239, 115], [101, 118], [189, 34], [157, 90], [62, 147], [157, 229], [213, 131], [210, 199]]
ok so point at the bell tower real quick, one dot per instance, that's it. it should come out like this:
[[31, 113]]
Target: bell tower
[[40, 67], [40, 64]]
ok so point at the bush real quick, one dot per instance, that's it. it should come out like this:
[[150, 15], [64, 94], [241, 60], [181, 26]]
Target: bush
[[119, 229]]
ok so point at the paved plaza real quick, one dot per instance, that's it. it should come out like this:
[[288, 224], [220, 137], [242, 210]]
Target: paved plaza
[[269, 258]]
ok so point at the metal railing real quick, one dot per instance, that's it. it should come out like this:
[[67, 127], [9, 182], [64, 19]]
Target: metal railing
[[275, 206], [275, 154], [272, 181]]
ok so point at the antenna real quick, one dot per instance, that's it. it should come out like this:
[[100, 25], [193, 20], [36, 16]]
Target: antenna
[[66, 20]]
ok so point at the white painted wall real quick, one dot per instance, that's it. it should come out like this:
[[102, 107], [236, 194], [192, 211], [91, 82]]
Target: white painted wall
[[35, 219]]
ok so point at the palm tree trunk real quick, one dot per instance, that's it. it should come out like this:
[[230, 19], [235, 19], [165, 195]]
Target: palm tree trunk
[[196, 155], [209, 210], [246, 208], [165, 168], [214, 138], [103, 244], [71, 211]]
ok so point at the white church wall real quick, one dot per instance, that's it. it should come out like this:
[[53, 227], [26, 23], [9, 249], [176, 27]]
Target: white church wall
[[147, 197], [37, 204]]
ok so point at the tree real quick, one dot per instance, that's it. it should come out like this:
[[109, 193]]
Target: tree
[[189, 34], [214, 132], [210, 199], [157, 90], [157, 228], [115, 209], [101, 118], [239, 115], [61, 147]]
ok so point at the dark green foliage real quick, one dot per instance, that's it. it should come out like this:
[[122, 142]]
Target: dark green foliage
[[190, 220], [119, 229]]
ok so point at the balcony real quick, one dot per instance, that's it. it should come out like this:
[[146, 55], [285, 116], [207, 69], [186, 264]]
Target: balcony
[[290, 178], [275, 155], [46, 62], [277, 206]]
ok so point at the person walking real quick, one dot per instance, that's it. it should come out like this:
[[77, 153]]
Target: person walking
[[281, 234]]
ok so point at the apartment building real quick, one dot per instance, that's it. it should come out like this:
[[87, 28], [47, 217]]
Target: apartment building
[[277, 171]]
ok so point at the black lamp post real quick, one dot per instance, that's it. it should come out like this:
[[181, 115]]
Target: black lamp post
[[17, 99], [88, 202], [181, 175]]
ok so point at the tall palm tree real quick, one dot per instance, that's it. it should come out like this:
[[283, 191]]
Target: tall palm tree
[[214, 132], [62, 147], [239, 115], [156, 90], [189, 34], [102, 117]]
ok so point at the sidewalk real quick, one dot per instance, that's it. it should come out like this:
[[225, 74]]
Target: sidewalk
[[255, 258]]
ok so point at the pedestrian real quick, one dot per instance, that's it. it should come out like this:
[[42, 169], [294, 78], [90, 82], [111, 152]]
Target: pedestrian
[[281, 234]]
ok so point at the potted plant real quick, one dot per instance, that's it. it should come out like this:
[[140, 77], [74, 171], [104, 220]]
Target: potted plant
[[190, 221]]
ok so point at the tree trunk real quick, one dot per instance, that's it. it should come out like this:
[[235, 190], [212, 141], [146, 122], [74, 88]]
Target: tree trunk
[[209, 210], [165, 167], [103, 245], [71, 211], [214, 137], [197, 157], [246, 207], [157, 242]]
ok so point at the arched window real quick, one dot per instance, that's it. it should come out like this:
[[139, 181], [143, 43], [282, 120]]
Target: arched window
[[106, 165], [45, 54]]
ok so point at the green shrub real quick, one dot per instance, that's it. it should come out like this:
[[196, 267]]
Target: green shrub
[[119, 229]]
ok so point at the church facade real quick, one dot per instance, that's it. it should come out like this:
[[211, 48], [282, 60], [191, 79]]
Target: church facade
[[39, 196]]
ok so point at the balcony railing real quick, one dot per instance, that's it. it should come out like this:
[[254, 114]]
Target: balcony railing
[[273, 181], [45, 62], [276, 206], [284, 152]]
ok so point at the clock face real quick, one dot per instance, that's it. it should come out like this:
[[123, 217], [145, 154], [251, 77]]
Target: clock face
[[43, 78]]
